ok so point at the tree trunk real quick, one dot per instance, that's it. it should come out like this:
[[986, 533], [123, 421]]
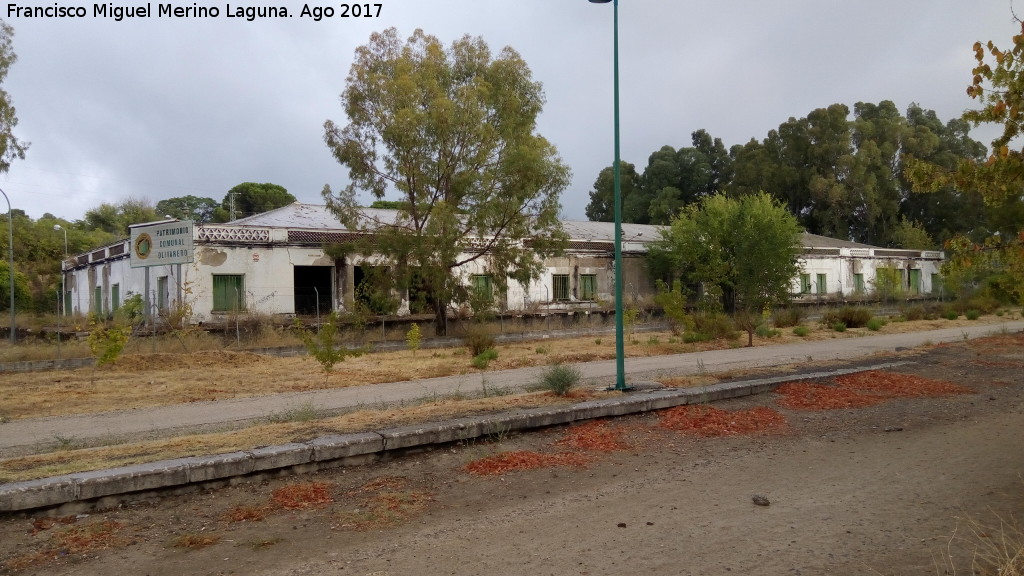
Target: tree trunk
[[440, 318]]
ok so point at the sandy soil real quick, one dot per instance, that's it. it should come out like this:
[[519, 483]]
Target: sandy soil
[[887, 489]]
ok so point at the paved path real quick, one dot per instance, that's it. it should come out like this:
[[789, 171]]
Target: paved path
[[16, 436]]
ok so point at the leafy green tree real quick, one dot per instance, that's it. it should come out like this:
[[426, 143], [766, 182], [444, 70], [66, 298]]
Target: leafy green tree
[[249, 198], [199, 210], [943, 211], [602, 197], [911, 235], [718, 158], [999, 88], [10, 147], [451, 132], [998, 85], [116, 218], [746, 248], [22, 292]]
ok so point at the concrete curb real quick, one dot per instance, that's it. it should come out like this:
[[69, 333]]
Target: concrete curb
[[103, 488]]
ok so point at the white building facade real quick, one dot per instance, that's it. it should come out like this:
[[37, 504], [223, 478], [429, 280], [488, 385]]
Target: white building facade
[[278, 263]]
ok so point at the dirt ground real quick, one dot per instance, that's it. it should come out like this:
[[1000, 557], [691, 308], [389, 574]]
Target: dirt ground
[[905, 486]]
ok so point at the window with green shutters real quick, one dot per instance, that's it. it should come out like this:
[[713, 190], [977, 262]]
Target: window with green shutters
[[228, 292], [98, 301], [161, 294], [115, 298], [822, 284], [858, 283], [559, 286], [588, 286], [805, 283], [915, 281], [483, 285]]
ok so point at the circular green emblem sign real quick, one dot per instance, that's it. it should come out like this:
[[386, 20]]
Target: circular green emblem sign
[[143, 245]]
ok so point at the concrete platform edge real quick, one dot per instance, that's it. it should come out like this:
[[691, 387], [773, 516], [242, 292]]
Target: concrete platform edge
[[321, 452]]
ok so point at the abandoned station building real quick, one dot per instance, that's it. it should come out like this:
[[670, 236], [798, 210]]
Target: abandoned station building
[[277, 263]]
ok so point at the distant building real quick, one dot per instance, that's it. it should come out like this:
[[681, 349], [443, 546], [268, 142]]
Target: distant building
[[276, 263]]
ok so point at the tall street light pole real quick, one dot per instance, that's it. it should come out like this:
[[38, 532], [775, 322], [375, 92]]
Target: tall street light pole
[[10, 263], [61, 309], [620, 353]]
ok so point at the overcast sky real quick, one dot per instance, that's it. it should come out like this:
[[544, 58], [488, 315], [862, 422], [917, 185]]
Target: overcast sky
[[155, 108]]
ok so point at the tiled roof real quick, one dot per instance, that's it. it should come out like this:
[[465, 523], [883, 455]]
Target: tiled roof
[[318, 217], [299, 216]]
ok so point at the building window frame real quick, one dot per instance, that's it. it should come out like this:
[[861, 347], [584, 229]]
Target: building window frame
[[560, 287], [588, 287], [483, 286], [228, 292], [805, 283]]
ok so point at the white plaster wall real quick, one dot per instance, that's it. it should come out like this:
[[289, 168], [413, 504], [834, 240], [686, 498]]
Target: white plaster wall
[[840, 272], [269, 278]]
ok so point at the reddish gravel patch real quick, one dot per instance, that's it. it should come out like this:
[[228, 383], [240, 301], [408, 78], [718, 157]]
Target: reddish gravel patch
[[302, 496], [814, 396], [711, 421], [595, 436], [896, 385], [863, 389], [523, 460]]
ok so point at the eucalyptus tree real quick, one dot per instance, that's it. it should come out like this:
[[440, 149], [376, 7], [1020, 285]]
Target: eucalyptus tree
[[451, 131]]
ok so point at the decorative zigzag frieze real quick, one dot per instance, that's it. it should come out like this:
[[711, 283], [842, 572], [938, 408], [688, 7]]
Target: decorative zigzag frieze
[[217, 234]]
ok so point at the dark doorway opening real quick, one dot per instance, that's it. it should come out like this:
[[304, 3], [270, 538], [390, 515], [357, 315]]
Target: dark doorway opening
[[313, 287]]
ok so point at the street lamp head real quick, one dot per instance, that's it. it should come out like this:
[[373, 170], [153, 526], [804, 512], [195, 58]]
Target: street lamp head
[[600, 1], [57, 227]]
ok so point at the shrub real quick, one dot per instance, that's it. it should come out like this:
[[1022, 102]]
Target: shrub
[[715, 326], [691, 337], [914, 312], [322, 346], [559, 379], [801, 331], [107, 343], [950, 315], [983, 303], [973, 314], [413, 338], [786, 317], [673, 304], [763, 331], [483, 359], [875, 324], [839, 327], [851, 316], [479, 338]]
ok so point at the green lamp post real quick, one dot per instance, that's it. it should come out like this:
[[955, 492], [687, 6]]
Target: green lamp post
[[620, 353]]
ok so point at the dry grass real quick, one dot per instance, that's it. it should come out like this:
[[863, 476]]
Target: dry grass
[[142, 379], [68, 461]]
